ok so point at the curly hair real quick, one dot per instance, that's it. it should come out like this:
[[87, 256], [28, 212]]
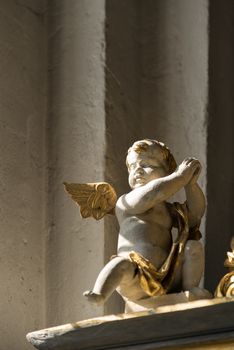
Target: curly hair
[[148, 145]]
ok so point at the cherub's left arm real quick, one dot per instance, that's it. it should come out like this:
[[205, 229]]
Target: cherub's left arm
[[195, 200]]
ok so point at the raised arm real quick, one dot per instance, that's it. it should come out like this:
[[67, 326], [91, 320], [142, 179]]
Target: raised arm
[[143, 198], [195, 200]]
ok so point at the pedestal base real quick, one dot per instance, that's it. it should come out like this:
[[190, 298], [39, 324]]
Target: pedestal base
[[167, 299], [182, 326]]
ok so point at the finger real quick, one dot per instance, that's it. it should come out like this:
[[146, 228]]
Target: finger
[[197, 172], [193, 166], [190, 160], [195, 163], [199, 166]]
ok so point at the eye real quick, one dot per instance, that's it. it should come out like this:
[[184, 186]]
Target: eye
[[146, 165]]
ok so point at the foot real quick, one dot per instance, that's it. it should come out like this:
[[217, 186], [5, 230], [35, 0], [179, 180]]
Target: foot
[[94, 298], [197, 293]]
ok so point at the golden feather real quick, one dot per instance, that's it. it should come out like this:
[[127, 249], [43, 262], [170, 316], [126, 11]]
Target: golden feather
[[95, 199]]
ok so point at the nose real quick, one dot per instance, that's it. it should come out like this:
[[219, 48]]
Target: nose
[[139, 170]]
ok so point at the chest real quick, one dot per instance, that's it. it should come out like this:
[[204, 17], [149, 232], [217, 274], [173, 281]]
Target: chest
[[159, 215]]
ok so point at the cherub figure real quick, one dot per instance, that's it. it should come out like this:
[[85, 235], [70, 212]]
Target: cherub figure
[[148, 263]]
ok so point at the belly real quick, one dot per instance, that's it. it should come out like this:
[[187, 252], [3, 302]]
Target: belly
[[149, 239]]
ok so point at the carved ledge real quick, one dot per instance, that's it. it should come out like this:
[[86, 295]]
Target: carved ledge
[[195, 323]]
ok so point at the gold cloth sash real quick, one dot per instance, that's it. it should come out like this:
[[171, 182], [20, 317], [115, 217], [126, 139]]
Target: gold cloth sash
[[149, 277], [157, 282]]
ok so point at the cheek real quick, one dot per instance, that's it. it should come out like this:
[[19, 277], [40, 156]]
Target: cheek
[[161, 173], [131, 180], [154, 174], [149, 172]]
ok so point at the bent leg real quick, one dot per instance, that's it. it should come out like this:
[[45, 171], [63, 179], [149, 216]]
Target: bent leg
[[193, 266], [116, 270]]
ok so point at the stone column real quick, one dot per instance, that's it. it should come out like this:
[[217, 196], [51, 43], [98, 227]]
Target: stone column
[[22, 153], [220, 169], [157, 81], [154, 69], [174, 75], [76, 150]]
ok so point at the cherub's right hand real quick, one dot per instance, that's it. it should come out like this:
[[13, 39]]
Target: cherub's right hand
[[188, 169]]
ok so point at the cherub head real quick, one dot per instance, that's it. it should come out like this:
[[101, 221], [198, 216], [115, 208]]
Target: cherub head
[[147, 160]]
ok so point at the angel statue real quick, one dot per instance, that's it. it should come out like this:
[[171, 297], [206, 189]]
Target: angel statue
[[149, 263]]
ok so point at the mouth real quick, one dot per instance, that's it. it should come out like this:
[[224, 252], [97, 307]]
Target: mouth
[[139, 179]]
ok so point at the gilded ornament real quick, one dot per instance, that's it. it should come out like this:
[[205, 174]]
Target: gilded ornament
[[225, 287]]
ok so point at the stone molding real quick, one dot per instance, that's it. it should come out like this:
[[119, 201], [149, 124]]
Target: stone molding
[[195, 323]]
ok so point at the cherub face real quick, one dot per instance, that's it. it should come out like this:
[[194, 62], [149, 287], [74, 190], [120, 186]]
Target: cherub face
[[142, 169]]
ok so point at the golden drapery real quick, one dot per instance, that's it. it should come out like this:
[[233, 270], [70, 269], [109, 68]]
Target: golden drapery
[[157, 282]]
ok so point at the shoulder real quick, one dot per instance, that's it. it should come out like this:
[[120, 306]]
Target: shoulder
[[122, 207], [121, 204]]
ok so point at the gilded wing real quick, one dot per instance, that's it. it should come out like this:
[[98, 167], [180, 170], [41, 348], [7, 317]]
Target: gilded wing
[[95, 199]]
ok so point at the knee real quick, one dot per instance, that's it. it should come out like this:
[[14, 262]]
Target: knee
[[120, 263], [125, 264], [125, 267], [193, 249]]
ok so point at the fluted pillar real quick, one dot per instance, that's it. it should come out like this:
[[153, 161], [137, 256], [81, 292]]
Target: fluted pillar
[[76, 149]]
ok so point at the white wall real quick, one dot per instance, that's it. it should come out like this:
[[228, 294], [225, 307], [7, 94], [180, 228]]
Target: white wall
[[157, 80], [76, 148], [174, 77], [157, 85], [22, 121], [117, 71]]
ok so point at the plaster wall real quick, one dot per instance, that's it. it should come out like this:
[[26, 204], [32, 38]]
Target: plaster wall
[[22, 121], [139, 54], [174, 76], [157, 84], [76, 146], [117, 71], [122, 109], [220, 165], [157, 76]]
